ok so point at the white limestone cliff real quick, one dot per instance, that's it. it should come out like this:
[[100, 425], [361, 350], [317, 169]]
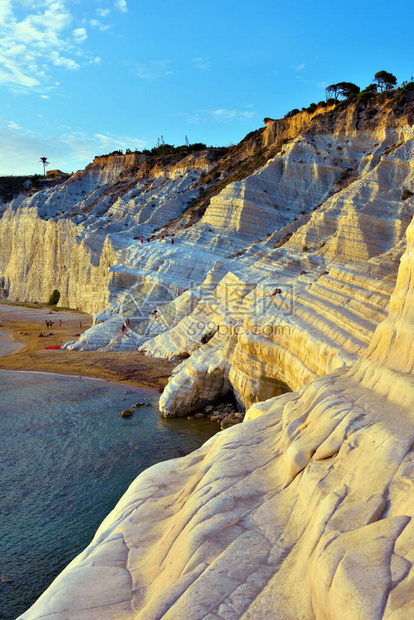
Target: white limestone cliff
[[280, 290], [327, 311], [304, 511]]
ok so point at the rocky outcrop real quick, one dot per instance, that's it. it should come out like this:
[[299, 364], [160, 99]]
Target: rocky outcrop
[[38, 256], [305, 510], [280, 292], [335, 274]]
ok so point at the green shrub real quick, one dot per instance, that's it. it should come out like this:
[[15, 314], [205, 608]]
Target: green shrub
[[385, 96], [365, 95], [292, 113], [54, 298]]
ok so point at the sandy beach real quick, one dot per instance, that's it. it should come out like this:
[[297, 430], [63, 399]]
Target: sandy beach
[[20, 324]]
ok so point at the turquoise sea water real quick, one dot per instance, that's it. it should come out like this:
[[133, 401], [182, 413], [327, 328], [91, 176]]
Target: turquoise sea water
[[66, 457]]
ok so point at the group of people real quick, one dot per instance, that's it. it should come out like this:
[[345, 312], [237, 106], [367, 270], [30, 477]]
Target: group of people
[[50, 323], [125, 326]]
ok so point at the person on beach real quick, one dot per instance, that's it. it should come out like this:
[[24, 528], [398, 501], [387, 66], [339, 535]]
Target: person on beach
[[60, 322], [127, 322], [80, 324]]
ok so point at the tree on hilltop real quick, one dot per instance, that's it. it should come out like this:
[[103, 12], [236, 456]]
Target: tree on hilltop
[[348, 88], [385, 80], [332, 91], [343, 89], [45, 163]]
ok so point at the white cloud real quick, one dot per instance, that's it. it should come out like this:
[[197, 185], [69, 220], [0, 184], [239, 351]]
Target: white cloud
[[230, 115], [103, 12], [201, 64], [121, 5], [152, 71], [80, 35], [218, 115], [61, 61], [95, 23], [32, 46], [299, 67], [5, 10], [14, 126]]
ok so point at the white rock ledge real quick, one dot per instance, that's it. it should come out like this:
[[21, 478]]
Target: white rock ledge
[[304, 511]]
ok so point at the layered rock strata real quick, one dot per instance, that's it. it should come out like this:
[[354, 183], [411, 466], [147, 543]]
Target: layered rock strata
[[304, 511]]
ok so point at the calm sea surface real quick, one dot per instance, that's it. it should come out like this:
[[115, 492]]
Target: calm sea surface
[[66, 457]]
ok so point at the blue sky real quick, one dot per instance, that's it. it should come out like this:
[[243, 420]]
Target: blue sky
[[80, 78]]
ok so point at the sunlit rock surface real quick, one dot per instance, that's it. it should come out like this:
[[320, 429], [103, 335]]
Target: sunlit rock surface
[[269, 270], [334, 292], [304, 511]]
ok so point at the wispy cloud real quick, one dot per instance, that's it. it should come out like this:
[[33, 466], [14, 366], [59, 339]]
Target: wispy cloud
[[45, 37], [299, 67], [201, 64], [69, 151], [95, 23], [14, 126], [153, 70], [103, 12], [121, 5], [230, 115], [223, 115]]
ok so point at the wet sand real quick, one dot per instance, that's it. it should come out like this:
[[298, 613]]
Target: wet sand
[[23, 325]]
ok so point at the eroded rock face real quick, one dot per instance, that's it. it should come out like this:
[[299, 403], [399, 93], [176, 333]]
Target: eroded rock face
[[286, 315], [38, 256], [282, 293], [305, 510]]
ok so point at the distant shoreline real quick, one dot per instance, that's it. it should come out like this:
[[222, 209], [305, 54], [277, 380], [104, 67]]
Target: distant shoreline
[[122, 367]]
